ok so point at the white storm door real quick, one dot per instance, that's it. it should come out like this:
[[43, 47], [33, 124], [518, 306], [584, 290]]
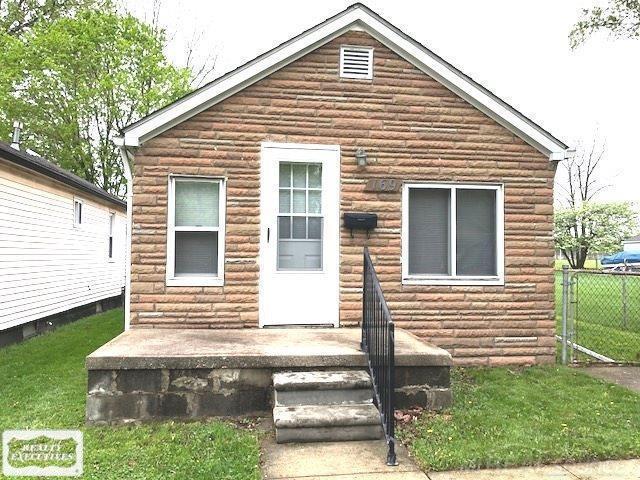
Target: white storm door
[[299, 235]]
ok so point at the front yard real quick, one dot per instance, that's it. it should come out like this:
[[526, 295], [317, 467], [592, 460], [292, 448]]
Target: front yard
[[526, 416], [500, 417], [605, 321], [43, 385]]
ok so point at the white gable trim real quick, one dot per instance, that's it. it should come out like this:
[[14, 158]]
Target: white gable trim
[[360, 17]]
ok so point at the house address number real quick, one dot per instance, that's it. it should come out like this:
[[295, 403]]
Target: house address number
[[383, 185]]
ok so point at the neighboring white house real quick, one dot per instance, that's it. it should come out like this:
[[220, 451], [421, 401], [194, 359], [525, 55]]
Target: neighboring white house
[[62, 245], [631, 244]]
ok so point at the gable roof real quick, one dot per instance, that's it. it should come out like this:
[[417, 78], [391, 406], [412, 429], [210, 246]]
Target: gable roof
[[51, 170], [355, 16]]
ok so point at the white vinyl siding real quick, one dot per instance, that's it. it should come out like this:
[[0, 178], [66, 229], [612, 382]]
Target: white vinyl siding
[[195, 231], [48, 264], [452, 234]]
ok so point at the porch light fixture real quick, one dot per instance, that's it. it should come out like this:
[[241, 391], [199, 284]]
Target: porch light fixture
[[361, 157]]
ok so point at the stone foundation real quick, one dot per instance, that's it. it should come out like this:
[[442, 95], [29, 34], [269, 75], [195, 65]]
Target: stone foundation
[[119, 396], [148, 374]]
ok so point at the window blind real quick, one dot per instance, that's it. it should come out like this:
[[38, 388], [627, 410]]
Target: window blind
[[476, 232], [429, 214], [196, 253], [197, 204]]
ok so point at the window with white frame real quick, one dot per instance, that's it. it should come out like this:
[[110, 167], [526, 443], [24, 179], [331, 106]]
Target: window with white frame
[[195, 253], [77, 212], [452, 233], [112, 226]]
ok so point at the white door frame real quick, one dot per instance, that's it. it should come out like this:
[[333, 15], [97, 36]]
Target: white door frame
[[267, 221]]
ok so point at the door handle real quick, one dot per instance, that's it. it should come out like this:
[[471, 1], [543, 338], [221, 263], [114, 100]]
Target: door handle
[[268, 234]]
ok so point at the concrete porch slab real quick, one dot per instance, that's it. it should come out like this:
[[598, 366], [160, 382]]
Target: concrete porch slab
[[277, 348], [147, 374]]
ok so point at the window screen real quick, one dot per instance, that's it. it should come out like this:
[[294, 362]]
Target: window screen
[[436, 248], [476, 232], [196, 227], [197, 203], [196, 253], [429, 220]]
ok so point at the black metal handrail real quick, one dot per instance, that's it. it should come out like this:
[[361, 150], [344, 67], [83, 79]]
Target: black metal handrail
[[378, 345]]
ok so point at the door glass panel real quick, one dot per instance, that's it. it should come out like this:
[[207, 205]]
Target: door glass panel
[[285, 175], [285, 201], [315, 176], [299, 227], [299, 175], [314, 201], [300, 217], [284, 227], [299, 201], [315, 227]]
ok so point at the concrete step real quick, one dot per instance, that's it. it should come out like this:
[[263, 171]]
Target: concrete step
[[289, 398], [322, 380], [307, 416], [322, 423], [329, 434]]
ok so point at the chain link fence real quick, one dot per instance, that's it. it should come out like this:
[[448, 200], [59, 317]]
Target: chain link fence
[[599, 316]]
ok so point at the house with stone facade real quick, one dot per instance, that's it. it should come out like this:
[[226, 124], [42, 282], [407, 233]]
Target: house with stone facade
[[254, 197]]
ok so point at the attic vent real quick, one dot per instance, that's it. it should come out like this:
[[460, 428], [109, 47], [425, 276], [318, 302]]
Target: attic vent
[[356, 62]]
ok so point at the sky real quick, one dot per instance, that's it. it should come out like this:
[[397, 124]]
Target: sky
[[517, 49]]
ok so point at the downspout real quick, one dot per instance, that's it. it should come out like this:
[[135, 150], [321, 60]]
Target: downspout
[[124, 155]]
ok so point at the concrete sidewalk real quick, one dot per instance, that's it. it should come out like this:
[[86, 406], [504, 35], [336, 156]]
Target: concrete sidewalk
[[366, 461], [362, 460], [623, 375], [609, 470]]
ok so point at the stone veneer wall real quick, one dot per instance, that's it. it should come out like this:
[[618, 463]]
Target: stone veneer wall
[[413, 129]]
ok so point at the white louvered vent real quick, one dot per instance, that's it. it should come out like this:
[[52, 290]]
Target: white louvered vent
[[356, 62]]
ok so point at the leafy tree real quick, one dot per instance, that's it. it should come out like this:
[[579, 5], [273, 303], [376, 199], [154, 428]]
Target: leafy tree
[[621, 18], [19, 16], [592, 227], [82, 80]]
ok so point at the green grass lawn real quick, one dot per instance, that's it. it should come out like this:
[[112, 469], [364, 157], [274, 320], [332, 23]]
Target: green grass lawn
[[589, 263], [605, 323], [43, 385], [507, 417]]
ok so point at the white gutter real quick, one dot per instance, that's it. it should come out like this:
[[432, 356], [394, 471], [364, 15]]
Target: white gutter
[[124, 155], [562, 155]]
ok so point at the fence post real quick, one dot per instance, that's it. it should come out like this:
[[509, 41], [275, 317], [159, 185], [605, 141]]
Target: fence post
[[625, 305], [565, 310]]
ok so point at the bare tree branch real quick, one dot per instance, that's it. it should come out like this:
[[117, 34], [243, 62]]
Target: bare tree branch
[[583, 182]]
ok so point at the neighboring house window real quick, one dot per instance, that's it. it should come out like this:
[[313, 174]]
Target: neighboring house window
[[112, 225], [452, 234], [77, 212], [195, 243]]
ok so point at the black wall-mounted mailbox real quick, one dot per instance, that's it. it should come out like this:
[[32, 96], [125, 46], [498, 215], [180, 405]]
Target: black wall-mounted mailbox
[[360, 221]]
